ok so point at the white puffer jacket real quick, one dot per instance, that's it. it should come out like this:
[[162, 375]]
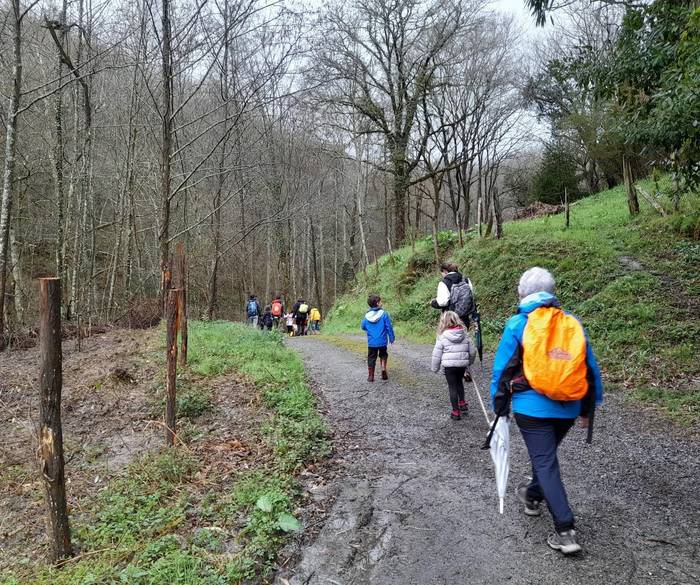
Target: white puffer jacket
[[453, 349]]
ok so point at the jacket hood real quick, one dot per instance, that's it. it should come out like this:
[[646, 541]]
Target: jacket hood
[[373, 315], [454, 335], [452, 278], [537, 300]]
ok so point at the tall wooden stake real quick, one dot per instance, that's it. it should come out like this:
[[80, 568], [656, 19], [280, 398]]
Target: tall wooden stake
[[181, 283], [566, 205], [50, 431], [166, 283], [632, 200], [170, 388]]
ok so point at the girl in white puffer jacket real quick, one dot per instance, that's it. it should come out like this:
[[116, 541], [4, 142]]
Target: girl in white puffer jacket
[[454, 352]]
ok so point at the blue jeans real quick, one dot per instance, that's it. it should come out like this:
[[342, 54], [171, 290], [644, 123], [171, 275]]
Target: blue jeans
[[542, 437]]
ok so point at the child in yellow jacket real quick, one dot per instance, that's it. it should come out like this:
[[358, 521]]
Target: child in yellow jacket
[[315, 318]]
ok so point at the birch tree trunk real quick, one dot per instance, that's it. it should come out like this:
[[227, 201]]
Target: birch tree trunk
[[58, 151], [10, 151], [15, 257]]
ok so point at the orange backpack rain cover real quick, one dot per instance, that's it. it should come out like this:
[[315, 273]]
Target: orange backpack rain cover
[[554, 354]]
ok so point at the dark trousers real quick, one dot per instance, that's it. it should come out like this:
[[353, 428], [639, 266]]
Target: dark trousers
[[373, 352], [542, 437], [455, 383]]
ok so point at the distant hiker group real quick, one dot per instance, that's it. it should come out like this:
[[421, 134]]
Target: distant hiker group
[[302, 319], [544, 374]]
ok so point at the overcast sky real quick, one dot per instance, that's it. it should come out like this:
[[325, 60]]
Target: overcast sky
[[517, 7], [522, 14]]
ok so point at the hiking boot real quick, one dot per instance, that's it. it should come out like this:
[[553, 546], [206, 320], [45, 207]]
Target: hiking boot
[[385, 376], [370, 374], [564, 541], [532, 506], [454, 415], [463, 407]]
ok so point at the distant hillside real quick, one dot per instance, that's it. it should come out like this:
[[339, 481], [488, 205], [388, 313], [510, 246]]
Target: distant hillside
[[635, 283]]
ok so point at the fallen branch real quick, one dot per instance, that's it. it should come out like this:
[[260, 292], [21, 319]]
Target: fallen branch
[[651, 200]]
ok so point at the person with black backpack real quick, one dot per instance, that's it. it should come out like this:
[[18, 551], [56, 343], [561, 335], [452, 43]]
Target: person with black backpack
[[267, 320], [301, 315], [454, 293], [252, 311]]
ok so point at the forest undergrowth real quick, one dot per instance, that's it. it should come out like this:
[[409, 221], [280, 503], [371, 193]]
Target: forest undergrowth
[[634, 282], [214, 509]]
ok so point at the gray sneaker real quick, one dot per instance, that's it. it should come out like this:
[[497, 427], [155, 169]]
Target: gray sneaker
[[564, 542], [532, 507]]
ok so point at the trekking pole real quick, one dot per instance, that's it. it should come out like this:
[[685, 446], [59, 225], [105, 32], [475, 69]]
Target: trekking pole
[[481, 402]]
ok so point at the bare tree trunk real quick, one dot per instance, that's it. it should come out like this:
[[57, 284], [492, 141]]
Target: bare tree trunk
[[319, 298], [387, 232], [17, 276], [167, 138], [126, 194], [268, 263], [360, 194], [293, 254], [10, 150], [307, 256], [335, 243], [498, 215], [58, 149], [50, 429], [322, 297], [221, 178]]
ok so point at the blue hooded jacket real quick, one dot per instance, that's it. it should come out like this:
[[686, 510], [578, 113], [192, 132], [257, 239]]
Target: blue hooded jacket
[[507, 365], [377, 324]]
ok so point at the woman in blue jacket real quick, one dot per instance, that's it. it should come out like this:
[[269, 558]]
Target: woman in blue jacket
[[377, 324], [543, 422]]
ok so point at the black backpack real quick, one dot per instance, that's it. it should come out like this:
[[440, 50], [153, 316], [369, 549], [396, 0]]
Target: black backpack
[[461, 299]]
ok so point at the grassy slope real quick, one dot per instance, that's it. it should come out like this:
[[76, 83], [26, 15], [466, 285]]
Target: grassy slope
[[644, 323], [160, 523]]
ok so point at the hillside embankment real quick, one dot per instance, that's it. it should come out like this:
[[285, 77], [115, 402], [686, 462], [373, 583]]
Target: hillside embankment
[[634, 282]]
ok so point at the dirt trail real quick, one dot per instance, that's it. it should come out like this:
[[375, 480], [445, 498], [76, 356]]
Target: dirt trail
[[415, 502]]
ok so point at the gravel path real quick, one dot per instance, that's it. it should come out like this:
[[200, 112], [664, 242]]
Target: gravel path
[[415, 502]]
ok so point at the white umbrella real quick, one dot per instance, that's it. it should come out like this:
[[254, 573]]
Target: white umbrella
[[500, 443]]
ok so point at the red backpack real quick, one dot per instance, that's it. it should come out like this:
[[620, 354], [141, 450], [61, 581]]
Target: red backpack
[[276, 308]]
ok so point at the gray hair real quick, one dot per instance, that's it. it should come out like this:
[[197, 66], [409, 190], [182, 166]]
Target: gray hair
[[535, 280]]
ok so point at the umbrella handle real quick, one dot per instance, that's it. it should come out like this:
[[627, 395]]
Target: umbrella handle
[[487, 442], [589, 434]]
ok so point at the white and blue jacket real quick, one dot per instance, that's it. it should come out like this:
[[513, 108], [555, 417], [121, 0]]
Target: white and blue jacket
[[508, 367], [377, 324]]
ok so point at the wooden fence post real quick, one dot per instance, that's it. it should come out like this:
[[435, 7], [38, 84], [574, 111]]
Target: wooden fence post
[[50, 431], [166, 283], [627, 174], [170, 382], [566, 205], [181, 283]]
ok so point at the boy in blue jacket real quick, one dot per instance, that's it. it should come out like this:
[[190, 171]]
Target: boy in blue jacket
[[377, 324]]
